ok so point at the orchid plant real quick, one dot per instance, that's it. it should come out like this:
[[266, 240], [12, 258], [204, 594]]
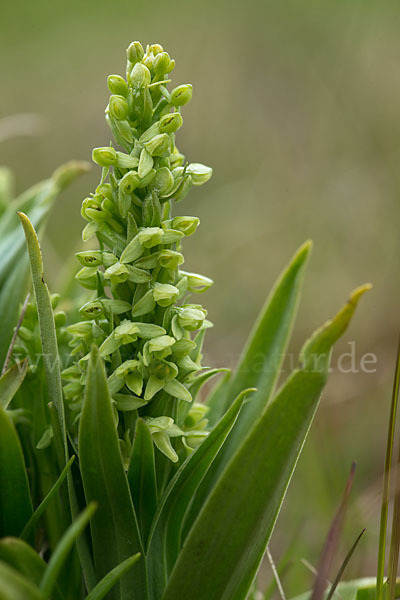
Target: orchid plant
[[119, 477]]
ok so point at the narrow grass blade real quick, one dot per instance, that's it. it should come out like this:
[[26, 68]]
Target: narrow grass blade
[[165, 539], [331, 542], [115, 533], [105, 585], [395, 535], [275, 574], [11, 381], [15, 586], [142, 478], [343, 566], [15, 499], [43, 505], [386, 479], [62, 550], [224, 548]]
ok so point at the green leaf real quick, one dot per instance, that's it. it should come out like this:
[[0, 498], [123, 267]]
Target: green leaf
[[390, 440], [165, 536], [12, 294], [15, 499], [115, 533], [43, 505], [224, 548], [46, 320], [343, 566], [105, 585], [53, 375], [197, 382], [15, 586], [14, 269], [259, 366], [357, 589], [63, 548], [23, 558], [142, 478], [264, 352], [10, 382]]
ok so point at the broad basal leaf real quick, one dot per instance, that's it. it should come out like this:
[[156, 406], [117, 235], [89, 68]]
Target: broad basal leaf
[[15, 500], [15, 586], [165, 536], [226, 544], [259, 367], [115, 532]]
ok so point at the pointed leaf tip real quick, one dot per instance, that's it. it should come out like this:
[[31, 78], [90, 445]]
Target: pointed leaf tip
[[322, 340], [67, 173]]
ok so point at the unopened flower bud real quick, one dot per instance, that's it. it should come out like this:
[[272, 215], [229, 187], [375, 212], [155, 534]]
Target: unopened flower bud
[[158, 145], [54, 299], [150, 236], [95, 258], [163, 181], [92, 310], [145, 163], [135, 52], [165, 294], [104, 190], [183, 189], [140, 76], [191, 317], [162, 63], [25, 334], [196, 282], [187, 225], [118, 273], [182, 94], [155, 49], [105, 156], [129, 182], [118, 106], [160, 343], [145, 305], [200, 173], [170, 122], [195, 438], [170, 259], [126, 161], [123, 130], [117, 85], [87, 277]]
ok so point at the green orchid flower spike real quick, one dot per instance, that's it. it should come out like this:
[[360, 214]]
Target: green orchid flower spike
[[148, 333]]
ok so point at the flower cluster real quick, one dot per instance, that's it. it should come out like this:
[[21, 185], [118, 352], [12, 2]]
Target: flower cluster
[[139, 315]]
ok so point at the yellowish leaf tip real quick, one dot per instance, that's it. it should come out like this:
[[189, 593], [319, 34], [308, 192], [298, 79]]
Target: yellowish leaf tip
[[358, 292]]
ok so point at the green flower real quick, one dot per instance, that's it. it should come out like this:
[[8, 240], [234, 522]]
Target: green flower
[[137, 310]]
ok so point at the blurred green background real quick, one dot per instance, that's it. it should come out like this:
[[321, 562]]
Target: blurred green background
[[296, 107]]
